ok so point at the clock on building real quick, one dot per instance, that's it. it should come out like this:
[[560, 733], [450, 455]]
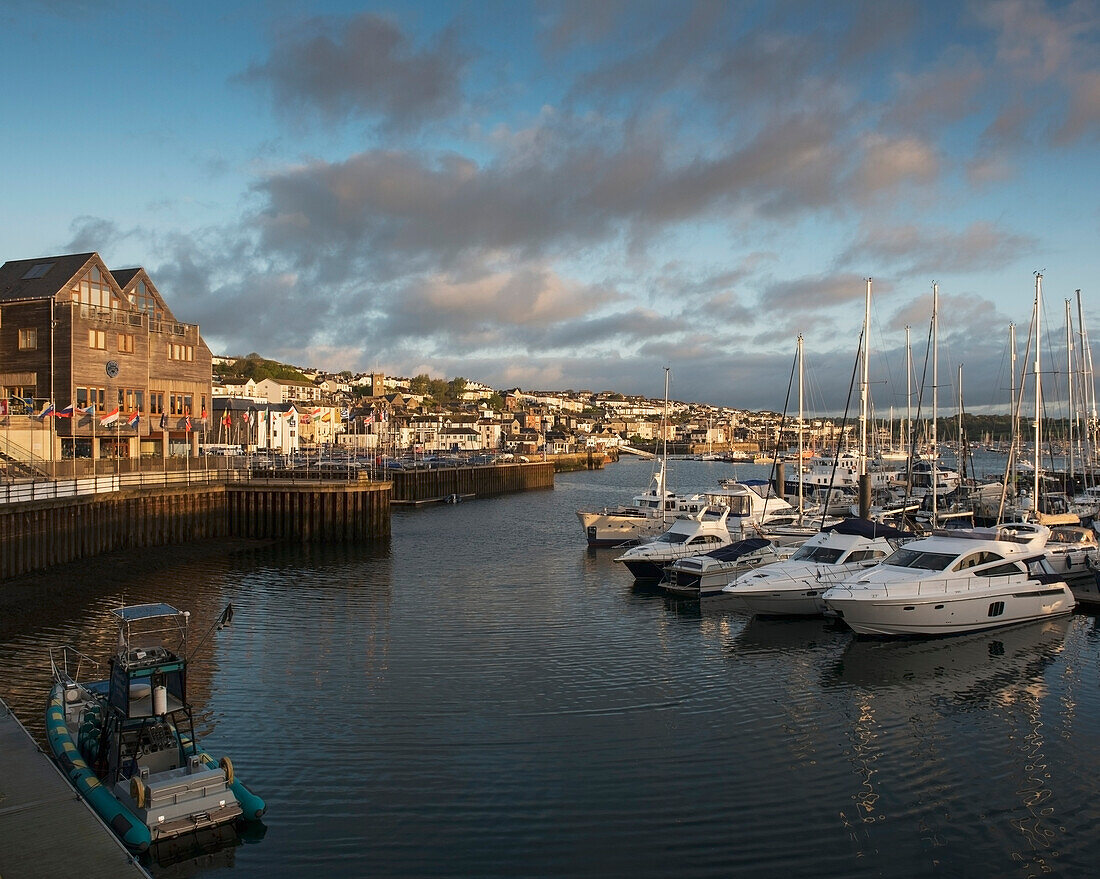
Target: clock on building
[[112, 368]]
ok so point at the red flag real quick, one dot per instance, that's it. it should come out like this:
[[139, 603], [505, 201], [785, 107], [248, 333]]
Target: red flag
[[187, 423], [228, 420]]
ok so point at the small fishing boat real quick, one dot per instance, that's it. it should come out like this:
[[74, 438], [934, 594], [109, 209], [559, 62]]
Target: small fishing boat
[[127, 743]]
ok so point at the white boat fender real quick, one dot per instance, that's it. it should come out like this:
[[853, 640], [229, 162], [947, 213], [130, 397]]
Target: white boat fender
[[227, 767], [160, 700], [137, 791]]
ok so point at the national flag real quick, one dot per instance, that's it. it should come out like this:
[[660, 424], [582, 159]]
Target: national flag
[[187, 424], [47, 409], [164, 421], [246, 418], [228, 420], [288, 413], [110, 418], [3, 408], [135, 420], [327, 416], [369, 419], [345, 414], [67, 412], [315, 412], [88, 410]]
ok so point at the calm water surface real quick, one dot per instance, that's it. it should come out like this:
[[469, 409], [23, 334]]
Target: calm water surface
[[484, 696]]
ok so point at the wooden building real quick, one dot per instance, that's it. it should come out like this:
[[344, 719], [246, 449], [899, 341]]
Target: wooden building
[[103, 348]]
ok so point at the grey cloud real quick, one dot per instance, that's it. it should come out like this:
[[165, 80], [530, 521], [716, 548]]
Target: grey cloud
[[926, 250], [814, 293], [363, 66]]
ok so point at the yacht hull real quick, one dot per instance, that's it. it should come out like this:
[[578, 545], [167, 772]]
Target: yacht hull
[[950, 614]]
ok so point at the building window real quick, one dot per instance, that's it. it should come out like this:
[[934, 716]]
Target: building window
[[156, 402], [131, 399], [179, 404], [96, 397], [28, 339], [181, 352], [97, 339], [94, 289], [125, 343]]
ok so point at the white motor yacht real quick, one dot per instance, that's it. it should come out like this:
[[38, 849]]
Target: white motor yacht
[[954, 581], [794, 587], [648, 515], [687, 536], [698, 576]]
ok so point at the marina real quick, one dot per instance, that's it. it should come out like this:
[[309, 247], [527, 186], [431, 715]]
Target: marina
[[482, 694]]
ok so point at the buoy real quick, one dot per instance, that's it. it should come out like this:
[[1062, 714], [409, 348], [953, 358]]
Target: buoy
[[227, 767]]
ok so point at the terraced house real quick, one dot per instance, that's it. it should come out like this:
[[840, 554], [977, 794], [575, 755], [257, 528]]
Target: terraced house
[[93, 364]]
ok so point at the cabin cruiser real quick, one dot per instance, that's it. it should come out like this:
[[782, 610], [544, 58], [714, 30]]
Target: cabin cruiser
[[794, 587], [688, 535], [953, 581], [648, 515], [753, 505], [698, 576]]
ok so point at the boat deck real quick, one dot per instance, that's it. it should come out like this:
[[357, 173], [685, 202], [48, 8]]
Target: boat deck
[[37, 805]]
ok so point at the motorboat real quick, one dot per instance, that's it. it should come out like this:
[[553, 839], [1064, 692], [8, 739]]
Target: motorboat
[[688, 535], [1073, 554], [961, 580], [753, 505], [794, 587], [127, 743], [648, 514], [698, 576]]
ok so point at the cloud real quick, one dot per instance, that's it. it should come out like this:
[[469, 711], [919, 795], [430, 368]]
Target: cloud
[[813, 293], [930, 250], [364, 66]]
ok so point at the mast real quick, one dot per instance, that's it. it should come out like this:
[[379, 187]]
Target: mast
[[935, 389], [1014, 424], [1072, 411], [908, 395], [863, 383], [1038, 389], [1089, 403], [800, 500], [960, 455]]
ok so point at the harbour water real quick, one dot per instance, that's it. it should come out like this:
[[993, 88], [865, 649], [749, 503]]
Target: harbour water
[[485, 696]]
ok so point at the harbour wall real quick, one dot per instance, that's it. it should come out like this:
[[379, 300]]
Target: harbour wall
[[38, 534]]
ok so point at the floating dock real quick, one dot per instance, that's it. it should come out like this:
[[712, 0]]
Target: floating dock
[[46, 829]]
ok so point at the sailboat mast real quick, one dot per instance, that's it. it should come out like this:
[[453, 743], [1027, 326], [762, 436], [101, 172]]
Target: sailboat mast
[[800, 460], [863, 383], [1089, 386], [1038, 389], [1069, 388], [935, 390], [908, 395], [1014, 422]]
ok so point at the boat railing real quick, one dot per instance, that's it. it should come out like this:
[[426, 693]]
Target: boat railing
[[67, 663], [952, 586]]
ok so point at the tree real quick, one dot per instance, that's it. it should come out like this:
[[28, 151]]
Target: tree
[[420, 384], [456, 387]]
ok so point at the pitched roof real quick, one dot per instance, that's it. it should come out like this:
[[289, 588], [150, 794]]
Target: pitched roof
[[40, 278], [124, 276]]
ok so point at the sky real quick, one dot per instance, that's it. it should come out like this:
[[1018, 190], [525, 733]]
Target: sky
[[573, 194]]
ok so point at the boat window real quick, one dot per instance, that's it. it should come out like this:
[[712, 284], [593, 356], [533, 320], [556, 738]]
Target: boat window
[[826, 555], [862, 555], [671, 537], [977, 558], [1005, 570], [927, 561]]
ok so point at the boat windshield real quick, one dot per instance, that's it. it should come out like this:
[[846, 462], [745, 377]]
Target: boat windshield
[[671, 537], [827, 555], [928, 561]]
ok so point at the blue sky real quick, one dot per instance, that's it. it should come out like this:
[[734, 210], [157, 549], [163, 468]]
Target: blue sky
[[573, 194]]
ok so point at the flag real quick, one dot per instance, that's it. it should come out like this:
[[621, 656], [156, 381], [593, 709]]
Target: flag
[[345, 414], [47, 409], [135, 419], [164, 421], [89, 410], [110, 418], [327, 416], [67, 412], [246, 418], [187, 423], [3, 408], [203, 416], [314, 413], [369, 419], [228, 420]]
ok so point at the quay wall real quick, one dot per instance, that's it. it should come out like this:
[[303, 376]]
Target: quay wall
[[38, 534], [418, 486]]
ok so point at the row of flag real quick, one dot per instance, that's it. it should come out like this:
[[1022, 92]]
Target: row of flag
[[134, 419]]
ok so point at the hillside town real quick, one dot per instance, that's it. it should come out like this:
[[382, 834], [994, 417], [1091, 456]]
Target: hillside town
[[377, 413]]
